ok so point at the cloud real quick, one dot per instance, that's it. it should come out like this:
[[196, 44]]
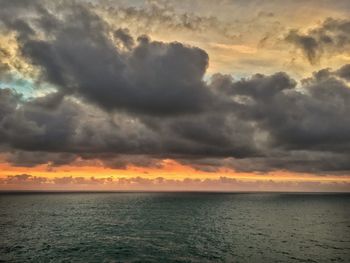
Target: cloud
[[28, 182], [155, 16], [153, 77], [263, 123], [344, 72], [71, 127], [331, 37], [23, 179], [136, 101], [124, 37]]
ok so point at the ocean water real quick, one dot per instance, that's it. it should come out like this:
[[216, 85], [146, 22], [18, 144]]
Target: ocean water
[[174, 227]]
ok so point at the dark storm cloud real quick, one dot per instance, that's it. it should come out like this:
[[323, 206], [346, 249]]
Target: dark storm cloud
[[266, 123], [127, 101], [311, 117], [344, 72], [76, 128], [301, 128], [151, 78], [34, 158], [332, 37], [70, 127]]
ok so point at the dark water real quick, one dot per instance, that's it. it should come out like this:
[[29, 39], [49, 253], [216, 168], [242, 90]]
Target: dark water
[[174, 227]]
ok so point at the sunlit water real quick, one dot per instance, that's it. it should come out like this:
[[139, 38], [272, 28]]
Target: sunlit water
[[174, 227]]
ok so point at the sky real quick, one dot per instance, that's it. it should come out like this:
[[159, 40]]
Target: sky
[[226, 95]]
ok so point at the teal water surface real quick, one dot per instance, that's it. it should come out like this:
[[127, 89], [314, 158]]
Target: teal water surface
[[174, 227]]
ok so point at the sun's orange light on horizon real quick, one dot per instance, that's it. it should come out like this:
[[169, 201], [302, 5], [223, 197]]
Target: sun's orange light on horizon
[[169, 169]]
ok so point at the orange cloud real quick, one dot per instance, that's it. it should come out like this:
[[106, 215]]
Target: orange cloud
[[170, 175], [29, 182]]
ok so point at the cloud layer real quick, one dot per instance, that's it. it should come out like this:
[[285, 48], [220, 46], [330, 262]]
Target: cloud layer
[[124, 100], [29, 182]]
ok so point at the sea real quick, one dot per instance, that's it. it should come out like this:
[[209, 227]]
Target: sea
[[174, 227]]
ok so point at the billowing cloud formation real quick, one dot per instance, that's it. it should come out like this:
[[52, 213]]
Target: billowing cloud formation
[[125, 100], [29, 182], [78, 55], [332, 37]]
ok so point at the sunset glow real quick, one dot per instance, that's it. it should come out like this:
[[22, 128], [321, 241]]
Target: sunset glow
[[167, 95]]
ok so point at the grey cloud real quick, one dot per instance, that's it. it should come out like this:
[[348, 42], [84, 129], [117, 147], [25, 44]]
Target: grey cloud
[[30, 127], [319, 162], [344, 72], [151, 78], [32, 159], [309, 117], [70, 127], [301, 128], [148, 100], [124, 37], [264, 123], [211, 134], [332, 37], [80, 129]]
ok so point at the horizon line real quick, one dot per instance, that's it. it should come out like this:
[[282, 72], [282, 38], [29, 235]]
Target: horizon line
[[167, 191]]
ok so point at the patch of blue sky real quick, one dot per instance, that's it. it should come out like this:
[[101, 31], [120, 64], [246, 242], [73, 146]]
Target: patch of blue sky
[[20, 85], [25, 86]]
